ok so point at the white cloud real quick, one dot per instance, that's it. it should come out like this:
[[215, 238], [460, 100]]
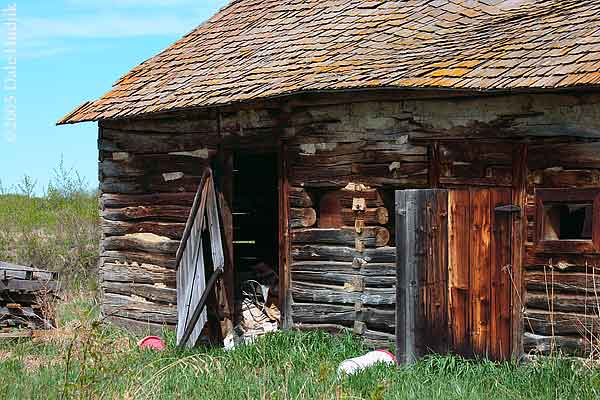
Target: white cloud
[[107, 26], [146, 4]]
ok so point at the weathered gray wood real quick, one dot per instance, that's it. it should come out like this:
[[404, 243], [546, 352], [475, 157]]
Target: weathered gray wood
[[149, 184], [185, 199], [13, 271], [131, 308], [19, 285], [344, 314], [378, 340], [161, 260], [340, 253], [336, 278], [405, 346], [562, 324], [578, 282], [420, 216], [319, 293], [372, 236], [191, 282], [137, 273], [171, 230], [155, 213], [144, 242], [546, 345], [149, 292], [198, 122], [154, 143], [130, 165], [562, 302], [340, 267]]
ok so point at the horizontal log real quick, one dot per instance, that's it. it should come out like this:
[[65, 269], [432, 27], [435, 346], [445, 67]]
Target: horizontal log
[[141, 328], [497, 153], [154, 143], [131, 308], [150, 184], [371, 236], [558, 281], [562, 324], [157, 213], [335, 278], [564, 262], [137, 273], [364, 269], [128, 165], [378, 340], [300, 198], [171, 230], [129, 256], [546, 345], [345, 315], [394, 170], [559, 178], [184, 199], [569, 303], [149, 292], [302, 217], [145, 242], [318, 293], [203, 122], [565, 155], [340, 253], [330, 328], [371, 216]]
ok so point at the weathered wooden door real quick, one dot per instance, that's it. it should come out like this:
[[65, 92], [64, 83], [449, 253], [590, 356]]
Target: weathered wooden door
[[454, 272]]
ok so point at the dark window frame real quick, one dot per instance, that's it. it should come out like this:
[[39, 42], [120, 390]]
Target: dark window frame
[[567, 195]]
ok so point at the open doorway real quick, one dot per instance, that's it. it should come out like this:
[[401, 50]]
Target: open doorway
[[255, 242]]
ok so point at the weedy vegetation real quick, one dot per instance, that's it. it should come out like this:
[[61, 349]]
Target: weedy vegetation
[[87, 358], [57, 231]]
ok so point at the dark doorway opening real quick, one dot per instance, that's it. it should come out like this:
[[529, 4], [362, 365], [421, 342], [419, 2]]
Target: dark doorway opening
[[255, 234]]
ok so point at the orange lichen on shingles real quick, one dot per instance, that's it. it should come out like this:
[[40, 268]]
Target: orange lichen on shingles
[[252, 50]]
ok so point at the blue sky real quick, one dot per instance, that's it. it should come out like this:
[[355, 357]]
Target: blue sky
[[71, 51]]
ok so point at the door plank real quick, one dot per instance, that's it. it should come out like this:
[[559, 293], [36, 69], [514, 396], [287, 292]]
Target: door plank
[[500, 323], [480, 270], [459, 223]]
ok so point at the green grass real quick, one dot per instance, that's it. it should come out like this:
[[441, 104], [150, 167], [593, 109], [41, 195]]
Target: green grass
[[92, 360]]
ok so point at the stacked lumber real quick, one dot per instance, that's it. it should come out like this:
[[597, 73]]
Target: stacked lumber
[[24, 295]]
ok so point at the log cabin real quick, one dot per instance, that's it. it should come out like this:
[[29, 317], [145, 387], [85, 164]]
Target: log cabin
[[425, 167]]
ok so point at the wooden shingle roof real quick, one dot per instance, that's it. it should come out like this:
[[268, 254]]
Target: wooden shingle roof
[[255, 49]]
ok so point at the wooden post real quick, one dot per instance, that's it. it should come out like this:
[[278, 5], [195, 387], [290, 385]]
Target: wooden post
[[284, 238], [422, 282], [518, 235], [402, 346]]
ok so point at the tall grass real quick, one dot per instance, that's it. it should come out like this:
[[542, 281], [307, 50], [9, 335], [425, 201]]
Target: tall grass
[[99, 362], [57, 231]]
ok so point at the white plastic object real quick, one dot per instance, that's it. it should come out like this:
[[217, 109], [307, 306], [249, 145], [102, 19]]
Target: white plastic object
[[358, 364]]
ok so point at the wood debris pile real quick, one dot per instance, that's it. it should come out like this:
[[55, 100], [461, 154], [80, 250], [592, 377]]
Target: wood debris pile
[[25, 297]]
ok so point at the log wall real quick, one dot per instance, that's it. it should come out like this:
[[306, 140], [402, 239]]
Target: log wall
[[341, 264]]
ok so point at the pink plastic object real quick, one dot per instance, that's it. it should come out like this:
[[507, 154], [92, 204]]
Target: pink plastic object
[[152, 343]]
